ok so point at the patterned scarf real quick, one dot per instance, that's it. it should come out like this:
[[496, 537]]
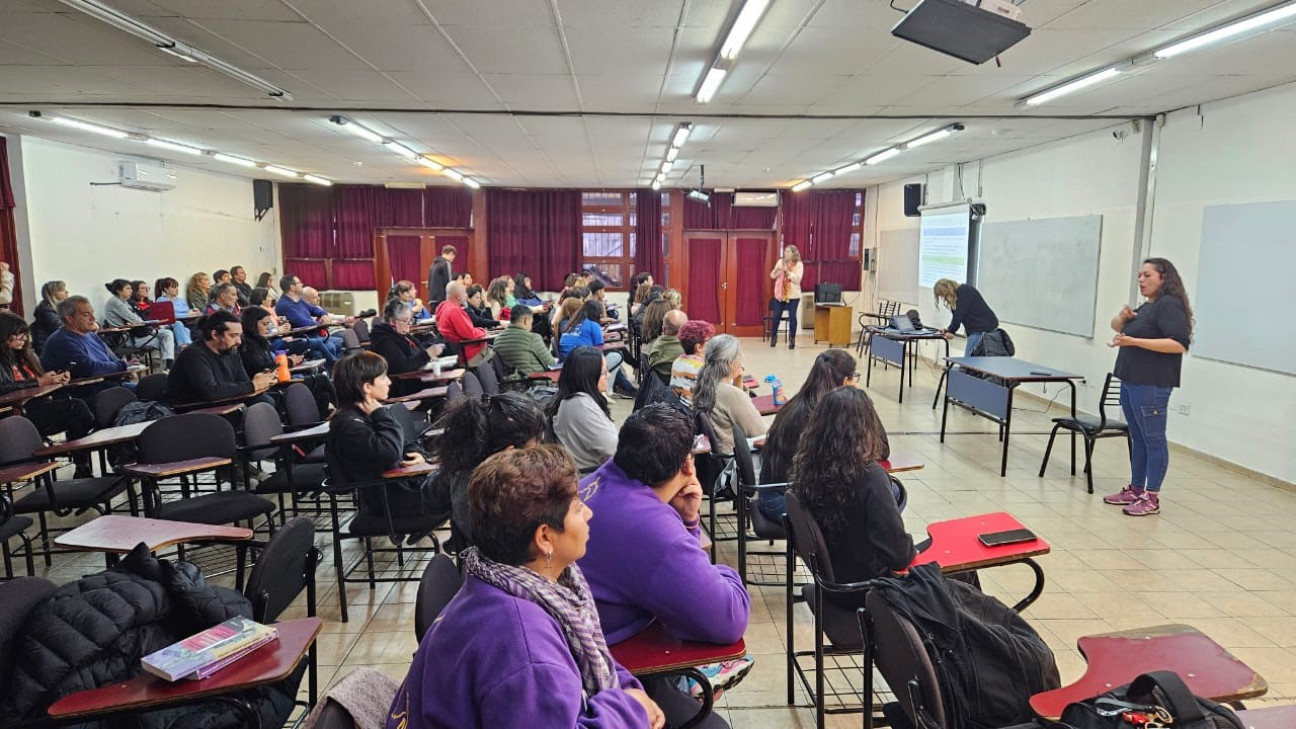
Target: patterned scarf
[[568, 601]]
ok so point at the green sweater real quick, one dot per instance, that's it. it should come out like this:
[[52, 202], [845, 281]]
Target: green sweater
[[523, 350], [664, 352]]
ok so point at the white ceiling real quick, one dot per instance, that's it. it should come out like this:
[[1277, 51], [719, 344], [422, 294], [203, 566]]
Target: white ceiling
[[586, 93]]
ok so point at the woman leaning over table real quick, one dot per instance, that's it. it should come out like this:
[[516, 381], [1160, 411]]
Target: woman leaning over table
[[1152, 341], [787, 276], [521, 643]]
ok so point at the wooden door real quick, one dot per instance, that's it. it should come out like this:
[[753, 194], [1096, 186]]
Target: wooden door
[[705, 260], [728, 280], [408, 253]]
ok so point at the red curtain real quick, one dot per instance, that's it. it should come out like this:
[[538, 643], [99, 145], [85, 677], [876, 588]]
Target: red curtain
[[403, 255], [312, 272], [306, 221], [720, 214], [703, 273], [353, 275], [648, 234], [752, 303], [356, 208], [447, 207], [537, 231], [820, 224], [8, 234]]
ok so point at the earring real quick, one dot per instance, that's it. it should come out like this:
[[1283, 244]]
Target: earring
[[549, 559]]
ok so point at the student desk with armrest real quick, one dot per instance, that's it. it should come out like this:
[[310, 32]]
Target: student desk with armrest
[[653, 651], [956, 547]]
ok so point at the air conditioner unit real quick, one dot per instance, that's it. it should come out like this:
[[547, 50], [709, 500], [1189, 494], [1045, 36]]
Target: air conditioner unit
[[140, 176], [757, 199], [341, 303]]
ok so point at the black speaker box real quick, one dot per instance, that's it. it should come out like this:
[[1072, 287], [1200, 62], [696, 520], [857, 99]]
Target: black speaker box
[[912, 199], [262, 194]]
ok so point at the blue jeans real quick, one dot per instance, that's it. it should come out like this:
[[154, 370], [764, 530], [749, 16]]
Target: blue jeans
[[973, 339], [776, 310], [1145, 408]]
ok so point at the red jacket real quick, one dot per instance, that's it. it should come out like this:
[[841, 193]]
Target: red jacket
[[455, 326]]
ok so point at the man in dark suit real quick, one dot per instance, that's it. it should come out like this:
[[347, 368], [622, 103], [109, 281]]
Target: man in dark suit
[[439, 275]]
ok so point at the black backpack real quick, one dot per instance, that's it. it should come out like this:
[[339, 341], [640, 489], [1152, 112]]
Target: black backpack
[[1161, 696]]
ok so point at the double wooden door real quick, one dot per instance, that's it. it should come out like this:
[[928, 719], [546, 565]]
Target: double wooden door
[[727, 279], [408, 253]]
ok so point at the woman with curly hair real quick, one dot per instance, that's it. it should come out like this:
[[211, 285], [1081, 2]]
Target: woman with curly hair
[[837, 478]]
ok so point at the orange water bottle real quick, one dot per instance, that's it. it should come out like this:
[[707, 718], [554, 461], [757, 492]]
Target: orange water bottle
[[281, 367]]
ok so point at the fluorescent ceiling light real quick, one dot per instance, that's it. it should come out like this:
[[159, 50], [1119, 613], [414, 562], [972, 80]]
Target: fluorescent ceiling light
[[681, 134], [935, 136], [452, 174], [1072, 86], [430, 163], [88, 127], [801, 185], [121, 21], [672, 153], [882, 156], [656, 185], [1245, 25], [666, 166], [316, 180], [233, 160], [470, 182], [172, 146], [743, 26], [356, 129], [715, 76], [848, 168], [280, 171], [400, 149], [821, 178], [172, 51]]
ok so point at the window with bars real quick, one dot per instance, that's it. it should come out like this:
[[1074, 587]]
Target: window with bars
[[608, 236]]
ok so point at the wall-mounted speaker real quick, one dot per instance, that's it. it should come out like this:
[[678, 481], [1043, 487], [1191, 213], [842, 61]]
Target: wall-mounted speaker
[[912, 199], [262, 197]]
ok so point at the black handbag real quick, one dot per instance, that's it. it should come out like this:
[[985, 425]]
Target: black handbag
[[1153, 699]]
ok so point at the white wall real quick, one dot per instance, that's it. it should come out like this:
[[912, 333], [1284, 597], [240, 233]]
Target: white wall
[[1237, 151], [88, 235]]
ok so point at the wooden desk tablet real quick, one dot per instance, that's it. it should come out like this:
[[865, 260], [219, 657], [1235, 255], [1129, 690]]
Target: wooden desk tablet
[[175, 468], [238, 400], [431, 376], [427, 394], [25, 471], [832, 323], [93, 379], [226, 409], [899, 462], [654, 650], [268, 664], [312, 433], [893, 347], [307, 365], [421, 469], [551, 375], [1117, 658], [984, 386], [956, 548], [765, 405], [102, 438], [119, 534], [18, 397]]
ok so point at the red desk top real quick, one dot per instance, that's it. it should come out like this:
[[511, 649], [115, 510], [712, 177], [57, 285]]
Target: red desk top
[[901, 462], [551, 375], [119, 534], [1116, 659], [765, 404], [655, 650], [268, 664], [1269, 717], [955, 545], [99, 439], [429, 376], [25, 471], [421, 469]]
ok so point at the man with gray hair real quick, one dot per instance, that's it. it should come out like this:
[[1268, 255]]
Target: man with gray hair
[[667, 348], [75, 348], [455, 326]]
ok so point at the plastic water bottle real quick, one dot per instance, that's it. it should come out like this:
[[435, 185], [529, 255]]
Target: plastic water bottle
[[777, 386]]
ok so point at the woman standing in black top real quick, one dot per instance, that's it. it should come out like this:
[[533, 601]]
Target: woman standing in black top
[[837, 478], [1152, 341], [969, 310]]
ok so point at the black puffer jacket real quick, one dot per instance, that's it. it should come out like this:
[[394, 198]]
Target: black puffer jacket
[[93, 632]]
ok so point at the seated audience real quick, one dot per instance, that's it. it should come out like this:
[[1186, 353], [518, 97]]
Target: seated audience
[[77, 349], [457, 328], [118, 313], [563, 313], [520, 644], [168, 290], [211, 369], [836, 477], [499, 297], [478, 311], [522, 290], [224, 297], [693, 336], [197, 291], [263, 297], [580, 415], [667, 348], [238, 277], [653, 316], [46, 319], [258, 352], [408, 294], [645, 563], [300, 313], [221, 276], [638, 295], [832, 368], [21, 370], [598, 292], [266, 281], [674, 298], [584, 330], [481, 427], [139, 300], [365, 440], [521, 349], [719, 396], [391, 338], [637, 319]]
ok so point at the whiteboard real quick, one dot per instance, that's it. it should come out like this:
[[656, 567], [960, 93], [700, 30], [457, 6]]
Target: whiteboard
[[1234, 289], [1042, 273], [898, 265]]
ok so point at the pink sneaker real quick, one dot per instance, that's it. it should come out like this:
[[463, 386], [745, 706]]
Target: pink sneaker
[[1149, 503], [1124, 497]]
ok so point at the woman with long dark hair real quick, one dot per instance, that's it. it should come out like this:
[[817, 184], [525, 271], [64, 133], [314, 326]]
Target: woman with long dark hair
[[832, 368], [476, 429], [836, 477], [1152, 340], [46, 319], [580, 415], [258, 352], [139, 299]]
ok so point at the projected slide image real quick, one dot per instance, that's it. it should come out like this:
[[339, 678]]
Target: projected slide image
[[943, 246]]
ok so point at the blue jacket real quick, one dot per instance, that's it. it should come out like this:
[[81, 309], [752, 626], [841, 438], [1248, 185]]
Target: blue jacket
[[90, 355], [299, 313], [588, 334]]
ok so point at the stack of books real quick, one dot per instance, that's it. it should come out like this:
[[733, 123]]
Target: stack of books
[[201, 655]]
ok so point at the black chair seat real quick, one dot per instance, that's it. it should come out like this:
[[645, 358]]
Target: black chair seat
[[375, 525], [305, 477], [13, 527], [839, 623], [77, 493], [1090, 424], [315, 456], [762, 525], [222, 507]]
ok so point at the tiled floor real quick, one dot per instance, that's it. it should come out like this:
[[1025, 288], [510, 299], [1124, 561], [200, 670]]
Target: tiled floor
[[1221, 556]]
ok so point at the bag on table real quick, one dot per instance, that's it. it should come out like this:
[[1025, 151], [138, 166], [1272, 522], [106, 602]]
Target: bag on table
[[1160, 695]]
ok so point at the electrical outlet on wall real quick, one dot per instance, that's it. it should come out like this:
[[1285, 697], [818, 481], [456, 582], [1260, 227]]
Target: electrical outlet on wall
[[1182, 408]]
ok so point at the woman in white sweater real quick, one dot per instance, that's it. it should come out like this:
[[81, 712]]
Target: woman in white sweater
[[580, 415], [718, 394]]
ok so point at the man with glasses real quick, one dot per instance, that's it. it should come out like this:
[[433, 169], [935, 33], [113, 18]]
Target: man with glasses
[[391, 338], [301, 313], [77, 349]]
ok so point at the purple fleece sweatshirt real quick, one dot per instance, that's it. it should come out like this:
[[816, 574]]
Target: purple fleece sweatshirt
[[494, 660], [642, 563]]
